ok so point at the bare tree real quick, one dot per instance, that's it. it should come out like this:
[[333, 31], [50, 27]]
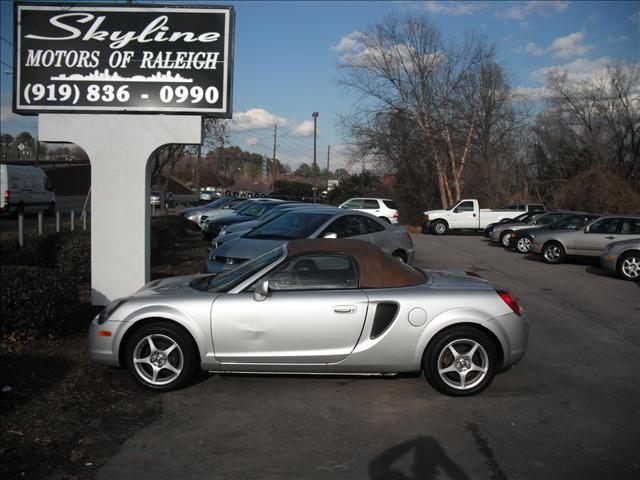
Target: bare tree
[[406, 66], [594, 122]]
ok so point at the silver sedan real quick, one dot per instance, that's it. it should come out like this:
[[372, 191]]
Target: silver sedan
[[623, 257], [327, 222], [315, 306]]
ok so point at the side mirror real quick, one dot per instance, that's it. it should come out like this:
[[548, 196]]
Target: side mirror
[[455, 210], [345, 207], [330, 235], [261, 290]]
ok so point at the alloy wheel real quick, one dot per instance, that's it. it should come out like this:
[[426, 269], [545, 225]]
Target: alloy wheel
[[631, 267], [524, 245], [552, 253], [463, 364], [158, 359]]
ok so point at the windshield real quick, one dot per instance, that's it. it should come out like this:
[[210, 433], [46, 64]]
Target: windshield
[[219, 202], [225, 281], [533, 219], [259, 209], [293, 225]]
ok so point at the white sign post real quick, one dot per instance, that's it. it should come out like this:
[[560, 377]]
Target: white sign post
[[120, 81], [119, 147]]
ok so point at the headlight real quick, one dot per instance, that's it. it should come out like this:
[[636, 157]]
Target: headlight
[[110, 309]]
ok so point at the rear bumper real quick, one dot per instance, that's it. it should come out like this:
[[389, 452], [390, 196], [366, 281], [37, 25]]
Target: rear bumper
[[513, 333]]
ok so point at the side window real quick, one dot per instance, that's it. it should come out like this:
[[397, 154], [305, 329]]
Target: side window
[[606, 225], [547, 219], [465, 207], [370, 205], [630, 226], [347, 226], [315, 272], [371, 226], [353, 204]]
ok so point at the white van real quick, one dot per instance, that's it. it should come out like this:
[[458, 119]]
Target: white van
[[25, 189]]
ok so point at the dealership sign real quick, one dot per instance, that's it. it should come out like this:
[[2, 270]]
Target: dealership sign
[[96, 58]]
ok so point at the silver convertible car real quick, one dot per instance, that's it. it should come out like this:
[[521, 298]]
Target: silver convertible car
[[315, 306]]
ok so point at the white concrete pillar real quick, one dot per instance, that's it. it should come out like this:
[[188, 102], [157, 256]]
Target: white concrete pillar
[[119, 147]]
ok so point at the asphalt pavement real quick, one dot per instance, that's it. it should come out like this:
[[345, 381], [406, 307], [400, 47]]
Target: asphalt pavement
[[569, 410]]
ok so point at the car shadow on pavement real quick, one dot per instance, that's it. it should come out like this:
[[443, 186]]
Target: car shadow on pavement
[[429, 459]]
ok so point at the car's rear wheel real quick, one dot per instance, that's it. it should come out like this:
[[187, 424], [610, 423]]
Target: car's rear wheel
[[439, 227], [460, 361], [161, 356], [553, 253], [505, 238], [523, 245], [629, 266]]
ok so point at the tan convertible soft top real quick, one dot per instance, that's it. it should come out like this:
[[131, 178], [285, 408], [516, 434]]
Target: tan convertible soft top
[[377, 269]]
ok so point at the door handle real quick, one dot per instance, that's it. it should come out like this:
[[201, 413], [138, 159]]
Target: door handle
[[345, 309], [474, 214], [609, 238]]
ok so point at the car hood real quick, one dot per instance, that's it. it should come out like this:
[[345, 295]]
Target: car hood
[[191, 210], [168, 286], [246, 248], [435, 212], [244, 227], [233, 218]]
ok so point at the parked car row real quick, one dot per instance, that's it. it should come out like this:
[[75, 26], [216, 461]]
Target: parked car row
[[557, 235]]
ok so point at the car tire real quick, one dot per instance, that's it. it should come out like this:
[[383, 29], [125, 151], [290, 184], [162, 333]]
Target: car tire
[[148, 363], [447, 359], [504, 239], [439, 227], [553, 253], [523, 244], [400, 255], [629, 266]]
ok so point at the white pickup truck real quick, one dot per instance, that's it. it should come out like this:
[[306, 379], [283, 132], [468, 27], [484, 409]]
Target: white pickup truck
[[464, 215]]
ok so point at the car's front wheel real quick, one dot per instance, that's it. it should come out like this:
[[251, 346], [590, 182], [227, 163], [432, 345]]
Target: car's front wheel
[[523, 245], [161, 356], [553, 252], [629, 266], [505, 239], [439, 227], [460, 361]]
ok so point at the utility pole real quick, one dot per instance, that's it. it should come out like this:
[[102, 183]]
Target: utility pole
[[275, 137], [315, 165], [328, 157], [198, 167]]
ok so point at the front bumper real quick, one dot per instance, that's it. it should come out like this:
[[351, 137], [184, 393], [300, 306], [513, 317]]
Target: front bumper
[[104, 349], [426, 226], [608, 262]]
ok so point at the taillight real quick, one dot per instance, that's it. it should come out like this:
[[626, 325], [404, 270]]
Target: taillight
[[396, 214], [513, 235], [473, 274], [508, 299]]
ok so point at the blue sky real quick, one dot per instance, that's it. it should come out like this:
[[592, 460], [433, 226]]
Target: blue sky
[[287, 56]]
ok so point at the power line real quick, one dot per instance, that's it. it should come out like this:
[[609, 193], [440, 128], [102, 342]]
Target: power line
[[6, 64], [2, 38]]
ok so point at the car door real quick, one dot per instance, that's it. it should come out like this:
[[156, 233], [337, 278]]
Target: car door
[[599, 234], [371, 206], [464, 215], [313, 314]]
